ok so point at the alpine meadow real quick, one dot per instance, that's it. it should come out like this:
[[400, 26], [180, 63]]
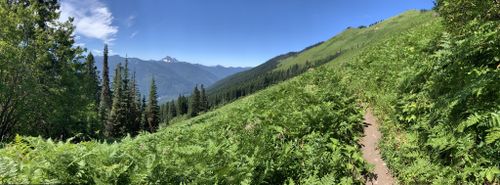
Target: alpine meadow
[[426, 81]]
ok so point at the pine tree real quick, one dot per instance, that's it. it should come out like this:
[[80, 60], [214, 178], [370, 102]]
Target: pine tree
[[135, 108], [178, 106], [143, 114], [127, 100], [152, 109], [91, 79], [115, 126], [91, 90], [195, 102], [172, 110], [204, 100], [182, 105], [105, 99], [164, 112]]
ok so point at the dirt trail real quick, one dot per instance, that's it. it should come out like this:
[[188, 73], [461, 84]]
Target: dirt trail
[[371, 152]]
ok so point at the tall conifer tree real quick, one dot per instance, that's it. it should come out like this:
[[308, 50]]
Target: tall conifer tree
[[91, 79], [91, 89], [127, 100], [115, 126], [135, 108], [195, 102], [204, 100], [105, 99], [182, 105], [143, 114], [172, 110], [152, 108]]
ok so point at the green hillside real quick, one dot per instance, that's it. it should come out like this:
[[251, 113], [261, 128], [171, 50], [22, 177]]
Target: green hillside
[[353, 39], [435, 87], [433, 83], [286, 66], [247, 141]]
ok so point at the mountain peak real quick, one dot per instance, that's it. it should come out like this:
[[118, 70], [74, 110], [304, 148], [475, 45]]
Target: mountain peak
[[169, 59]]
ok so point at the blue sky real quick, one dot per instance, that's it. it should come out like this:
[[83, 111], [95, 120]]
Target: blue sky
[[225, 32]]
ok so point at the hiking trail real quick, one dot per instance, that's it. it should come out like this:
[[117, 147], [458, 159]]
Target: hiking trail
[[371, 152]]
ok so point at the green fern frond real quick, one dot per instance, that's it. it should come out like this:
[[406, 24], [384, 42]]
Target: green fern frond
[[493, 135]]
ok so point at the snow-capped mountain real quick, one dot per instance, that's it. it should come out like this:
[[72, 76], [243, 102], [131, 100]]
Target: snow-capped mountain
[[169, 59], [173, 77]]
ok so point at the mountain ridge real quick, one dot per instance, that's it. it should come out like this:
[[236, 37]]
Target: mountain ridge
[[173, 78]]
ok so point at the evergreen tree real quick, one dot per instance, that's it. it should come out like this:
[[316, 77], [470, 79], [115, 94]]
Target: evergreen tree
[[91, 88], [91, 78], [195, 102], [135, 108], [152, 109], [185, 104], [178, 106], [105, 99], [172, 110], [163, 115], [127, 100], [182, 105], [164, 110], [115, 126], [143, 114], [204, 100]]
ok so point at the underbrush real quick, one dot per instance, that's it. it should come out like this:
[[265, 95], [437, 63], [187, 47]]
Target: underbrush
[[440, 111], [302, 131]]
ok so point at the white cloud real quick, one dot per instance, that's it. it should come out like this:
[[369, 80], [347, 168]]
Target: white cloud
[[92, 19], [133, 34], [130, 21], [82, 45], [99, 52]]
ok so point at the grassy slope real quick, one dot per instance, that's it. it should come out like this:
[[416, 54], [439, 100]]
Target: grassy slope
[[354, 40], [250, 140], [440, 116], [238, 78], [350, 42], [312, 139]]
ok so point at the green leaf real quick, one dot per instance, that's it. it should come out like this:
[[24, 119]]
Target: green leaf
[[493, 135]]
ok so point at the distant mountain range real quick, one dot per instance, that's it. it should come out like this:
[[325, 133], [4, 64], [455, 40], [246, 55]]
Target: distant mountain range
[[173, 77]]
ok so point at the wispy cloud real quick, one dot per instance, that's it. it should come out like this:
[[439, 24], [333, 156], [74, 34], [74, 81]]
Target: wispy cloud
[[130, 20], [82, 45], [92, 19], [133, 34], [95, 51], [100, 52]]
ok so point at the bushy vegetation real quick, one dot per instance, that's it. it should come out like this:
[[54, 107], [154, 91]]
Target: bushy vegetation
[[312, 139], [436, 89]]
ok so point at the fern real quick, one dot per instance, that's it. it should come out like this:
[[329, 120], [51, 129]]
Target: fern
[[493, 135]]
